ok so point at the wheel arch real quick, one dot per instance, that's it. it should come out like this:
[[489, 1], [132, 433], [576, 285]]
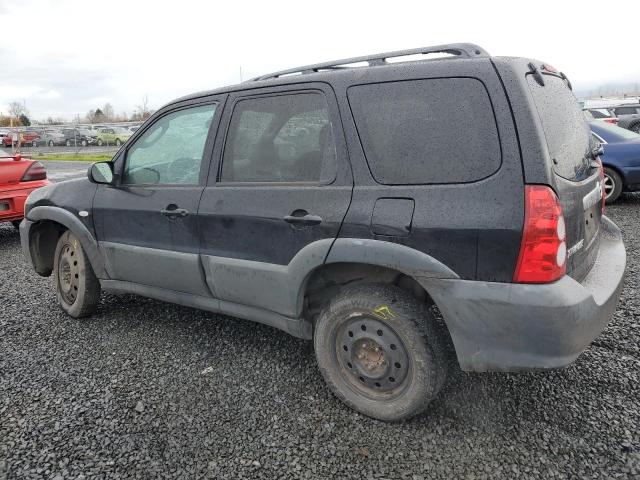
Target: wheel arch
[[48, 224]]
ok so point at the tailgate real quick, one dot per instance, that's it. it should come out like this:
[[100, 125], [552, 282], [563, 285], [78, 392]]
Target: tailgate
[[575, 178], [582, 207]]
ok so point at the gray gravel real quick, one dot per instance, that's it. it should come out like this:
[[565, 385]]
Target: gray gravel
[[145, 389]]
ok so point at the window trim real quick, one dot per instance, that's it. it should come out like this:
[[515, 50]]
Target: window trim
[[204, 163], [404, 80], [250, 96]]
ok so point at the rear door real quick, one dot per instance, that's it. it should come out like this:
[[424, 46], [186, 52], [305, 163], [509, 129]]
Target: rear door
[[577, 178], [282, 185]]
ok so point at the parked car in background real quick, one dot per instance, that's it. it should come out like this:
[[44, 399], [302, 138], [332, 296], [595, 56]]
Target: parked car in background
[[628, 116], [342, 203], [18, 178], [74, 137], [113, 136], [49, 137], [3, 134], [601, 114], [620, 158], [134, 128], [28, 138]]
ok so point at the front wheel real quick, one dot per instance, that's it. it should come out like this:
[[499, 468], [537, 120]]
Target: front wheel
[[118, 142], [380, 352], [612, 185], [77, 288], [99, 142]]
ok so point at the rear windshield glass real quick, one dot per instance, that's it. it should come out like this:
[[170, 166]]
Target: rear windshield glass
[[427, 131], [565, 127]]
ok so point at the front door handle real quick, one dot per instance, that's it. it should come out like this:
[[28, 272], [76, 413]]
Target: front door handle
[[172, 210], [303, 218]]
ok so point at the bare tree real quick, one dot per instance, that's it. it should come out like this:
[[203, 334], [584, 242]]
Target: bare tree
[[16, 109], [108, 112], [142, 111]]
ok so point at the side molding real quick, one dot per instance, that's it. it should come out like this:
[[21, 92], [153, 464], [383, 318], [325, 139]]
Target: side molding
[[391, 255], [66, 218], [280, 288]]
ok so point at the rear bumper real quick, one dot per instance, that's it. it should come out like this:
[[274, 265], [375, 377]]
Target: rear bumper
[[14, 199], [509, 327]]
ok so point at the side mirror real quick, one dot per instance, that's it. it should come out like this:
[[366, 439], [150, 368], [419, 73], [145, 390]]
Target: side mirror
[[101, 172]]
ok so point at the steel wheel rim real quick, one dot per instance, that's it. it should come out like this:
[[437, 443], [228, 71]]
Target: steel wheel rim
[[609, 186], [372, 357], [68, 273]]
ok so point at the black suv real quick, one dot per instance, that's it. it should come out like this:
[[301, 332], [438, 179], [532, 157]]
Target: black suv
[[344, 203]]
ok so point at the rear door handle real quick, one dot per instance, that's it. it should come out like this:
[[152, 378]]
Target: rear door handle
[[305, 219], [172, 210]]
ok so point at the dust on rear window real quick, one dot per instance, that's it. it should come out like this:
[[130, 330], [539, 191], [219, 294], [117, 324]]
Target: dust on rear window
[[565, 127]]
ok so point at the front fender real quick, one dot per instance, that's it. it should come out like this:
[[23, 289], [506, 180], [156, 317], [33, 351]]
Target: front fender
[[66, 218]]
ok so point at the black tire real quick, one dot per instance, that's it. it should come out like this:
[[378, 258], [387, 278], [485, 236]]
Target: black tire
[[99, 142], [612, 184], [118, 142], [77, 288], [51, 144], [360, 341], [16, 224]]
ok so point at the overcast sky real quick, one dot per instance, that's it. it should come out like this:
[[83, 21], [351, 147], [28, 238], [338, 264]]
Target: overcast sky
[[64, 57]]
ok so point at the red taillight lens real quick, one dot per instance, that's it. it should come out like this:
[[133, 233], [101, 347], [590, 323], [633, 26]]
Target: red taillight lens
[[35, 172], [611, 120], [543, 252]]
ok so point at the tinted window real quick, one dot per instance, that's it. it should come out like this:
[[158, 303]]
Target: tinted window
[[427, 131], [626, 111], [171, 150], [565, 128], [597, 114], [283, 138]]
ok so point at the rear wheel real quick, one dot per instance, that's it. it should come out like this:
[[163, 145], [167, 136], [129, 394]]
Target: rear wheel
[[380, 352], [99, 142], [612, 185], [77, 288]]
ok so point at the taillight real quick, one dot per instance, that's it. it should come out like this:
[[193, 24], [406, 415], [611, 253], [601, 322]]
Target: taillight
[[36, 171], [611, 120], [543, 252]]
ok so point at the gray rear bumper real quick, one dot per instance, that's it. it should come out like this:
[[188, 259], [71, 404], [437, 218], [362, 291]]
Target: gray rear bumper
[[507, 327]]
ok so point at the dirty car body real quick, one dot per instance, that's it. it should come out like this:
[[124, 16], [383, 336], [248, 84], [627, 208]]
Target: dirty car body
[[268, 198]]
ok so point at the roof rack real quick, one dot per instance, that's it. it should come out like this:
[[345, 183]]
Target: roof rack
[[463, 50]]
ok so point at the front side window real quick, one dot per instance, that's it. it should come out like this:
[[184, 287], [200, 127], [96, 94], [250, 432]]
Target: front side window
[[171, 150], [282, 138]]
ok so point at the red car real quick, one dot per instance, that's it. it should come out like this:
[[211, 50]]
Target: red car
[[27, 138], [18, 178]]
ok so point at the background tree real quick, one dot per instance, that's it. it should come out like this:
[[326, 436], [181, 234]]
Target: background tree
[[24, 120]]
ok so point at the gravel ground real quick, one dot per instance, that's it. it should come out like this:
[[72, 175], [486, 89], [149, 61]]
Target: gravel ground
[[145, 389]]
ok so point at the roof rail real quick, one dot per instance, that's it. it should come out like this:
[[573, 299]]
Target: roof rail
[[464, 50]]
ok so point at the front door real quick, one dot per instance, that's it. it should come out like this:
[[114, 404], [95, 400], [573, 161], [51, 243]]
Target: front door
[[282, 189], [146, 225]]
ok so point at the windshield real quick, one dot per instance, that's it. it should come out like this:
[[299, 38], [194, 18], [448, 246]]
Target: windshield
[[119, 130], [612, 133]]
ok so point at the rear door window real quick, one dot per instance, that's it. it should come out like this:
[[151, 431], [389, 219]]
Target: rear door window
[[565, 128], [427, 131]]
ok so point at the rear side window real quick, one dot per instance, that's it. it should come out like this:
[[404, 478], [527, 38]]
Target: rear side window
[[626, 111], [427, 131], [280, 138], [565, 128]]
